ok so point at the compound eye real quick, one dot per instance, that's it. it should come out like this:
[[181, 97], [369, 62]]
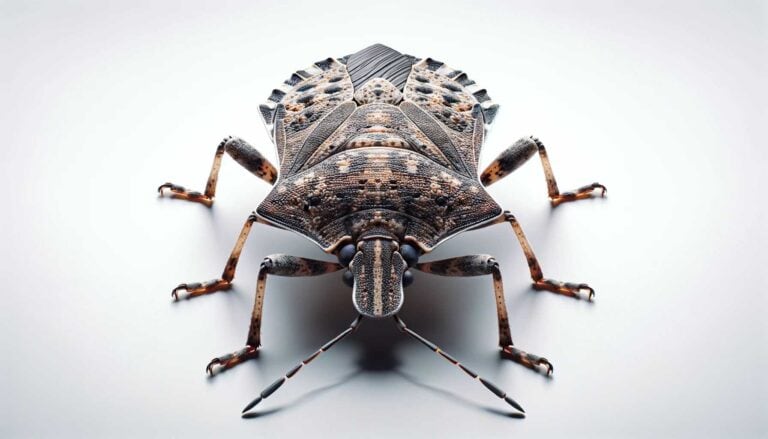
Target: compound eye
[[407, 278], [346, 254], [348, 278], [409, 254]]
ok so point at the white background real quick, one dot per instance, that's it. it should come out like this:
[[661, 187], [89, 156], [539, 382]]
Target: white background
[[664, 102]]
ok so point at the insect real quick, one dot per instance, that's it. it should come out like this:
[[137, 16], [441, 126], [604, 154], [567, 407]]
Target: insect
[[378, 165]]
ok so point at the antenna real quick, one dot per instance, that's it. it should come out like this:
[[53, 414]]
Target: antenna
[[276, 385], [489, 385]]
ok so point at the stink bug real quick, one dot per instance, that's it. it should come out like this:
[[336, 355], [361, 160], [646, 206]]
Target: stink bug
[[378, 165]]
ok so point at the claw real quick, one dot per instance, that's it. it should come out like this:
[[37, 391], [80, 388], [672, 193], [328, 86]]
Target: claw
[[230, 360], [209, 366], [549, 366], [530, 361], [197, 288], [175, 292], [591, 295], [579, 194], [184, 194], [565, 288], [578, 288], [171, 186]]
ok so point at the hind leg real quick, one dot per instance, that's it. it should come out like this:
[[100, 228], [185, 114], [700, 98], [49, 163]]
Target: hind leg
[[519, 153], [243, 153], [479, 265]]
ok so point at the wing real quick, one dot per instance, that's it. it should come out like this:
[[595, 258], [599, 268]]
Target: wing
[[450, 109], [306, 109]]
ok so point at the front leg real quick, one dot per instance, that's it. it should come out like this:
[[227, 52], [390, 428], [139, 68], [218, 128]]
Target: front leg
[[277, 265], [480, 265], [519, 153], [243, 153]]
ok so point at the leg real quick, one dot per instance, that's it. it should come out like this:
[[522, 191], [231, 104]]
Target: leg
[[479, 265], [223, 283], [243, 153], [519, 153], [539, 282], [278, 265]]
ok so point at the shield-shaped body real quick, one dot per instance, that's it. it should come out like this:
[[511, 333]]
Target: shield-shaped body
[[378, 150]]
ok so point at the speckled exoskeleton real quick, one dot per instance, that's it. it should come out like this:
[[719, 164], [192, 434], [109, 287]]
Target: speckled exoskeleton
[[378, 165]]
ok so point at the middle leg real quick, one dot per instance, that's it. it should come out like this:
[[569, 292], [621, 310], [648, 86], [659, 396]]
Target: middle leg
[[480, 265], [194, 289]]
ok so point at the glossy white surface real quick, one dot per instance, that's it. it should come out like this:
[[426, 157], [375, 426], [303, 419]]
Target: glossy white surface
[[664, 103]]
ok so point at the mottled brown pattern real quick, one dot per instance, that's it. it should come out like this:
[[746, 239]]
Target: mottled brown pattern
[[378, 90], [445, 99], [305, 104], [404, 159], [451, 104], [249, 158], [397, 189], [378, 125], [464, 266], [294, 266], [508, 161]]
